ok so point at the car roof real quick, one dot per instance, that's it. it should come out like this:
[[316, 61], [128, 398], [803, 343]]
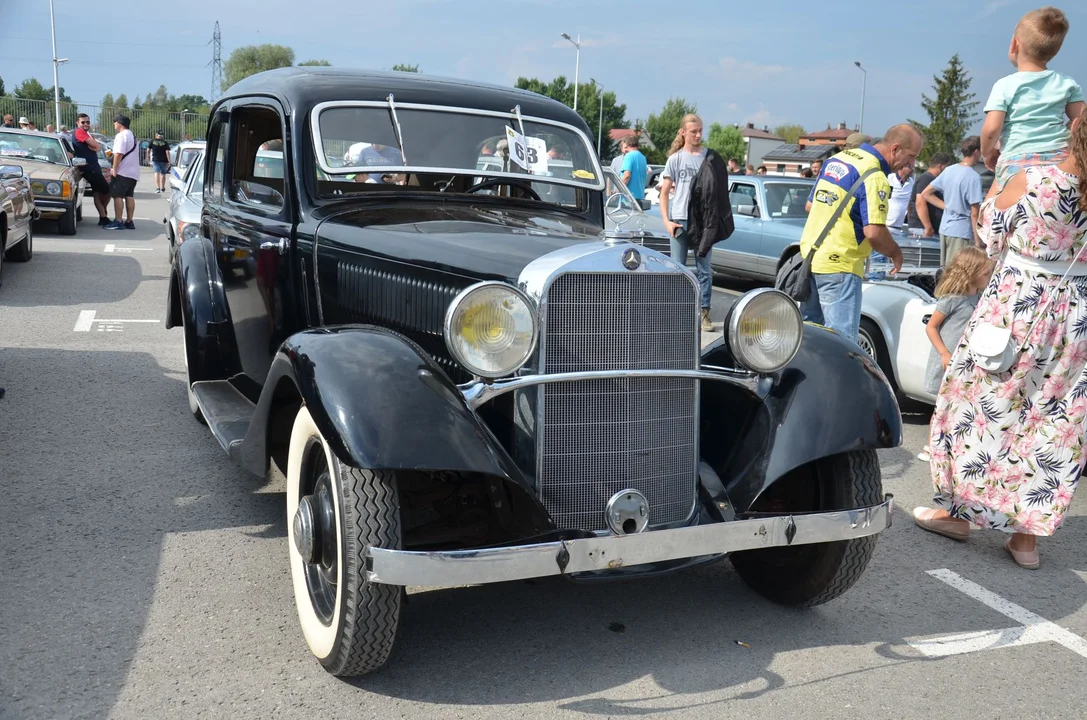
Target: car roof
[[772, 178], [307, 86], [31, 133]]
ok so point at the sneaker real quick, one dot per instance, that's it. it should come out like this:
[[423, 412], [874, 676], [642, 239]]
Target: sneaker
[[130, 225], [103, 221], [925, 454], [707, 324], [114, 225]]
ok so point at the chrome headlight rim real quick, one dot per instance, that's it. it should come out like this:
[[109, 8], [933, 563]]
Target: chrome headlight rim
[[458, 301], [736, 316]]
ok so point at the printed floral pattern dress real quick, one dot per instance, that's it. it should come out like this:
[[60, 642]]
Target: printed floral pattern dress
[[1008, 448]]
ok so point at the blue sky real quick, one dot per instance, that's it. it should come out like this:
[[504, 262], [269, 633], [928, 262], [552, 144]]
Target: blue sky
[[783, 61]]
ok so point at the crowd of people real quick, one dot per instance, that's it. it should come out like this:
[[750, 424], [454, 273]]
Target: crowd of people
[[1008, 359]]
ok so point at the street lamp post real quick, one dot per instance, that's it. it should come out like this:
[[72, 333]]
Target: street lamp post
[[56, 63], [577, 63], [864, 85], [600, 124], [182, 138]]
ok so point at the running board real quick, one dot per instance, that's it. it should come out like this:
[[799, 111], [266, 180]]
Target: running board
[[227, 412]]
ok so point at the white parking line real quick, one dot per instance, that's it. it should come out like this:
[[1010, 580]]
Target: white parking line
[[85, 321], [1033, 628], [114, 248]]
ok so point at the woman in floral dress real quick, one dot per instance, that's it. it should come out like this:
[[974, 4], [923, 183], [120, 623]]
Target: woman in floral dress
[[1008, 448]]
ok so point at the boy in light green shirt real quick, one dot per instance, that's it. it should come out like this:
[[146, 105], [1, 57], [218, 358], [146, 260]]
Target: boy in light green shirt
[[1025, 113]]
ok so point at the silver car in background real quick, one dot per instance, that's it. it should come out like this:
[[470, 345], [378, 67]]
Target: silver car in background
[[182, 217]]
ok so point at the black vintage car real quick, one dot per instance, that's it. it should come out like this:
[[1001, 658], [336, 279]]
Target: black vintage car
[[465, 380]]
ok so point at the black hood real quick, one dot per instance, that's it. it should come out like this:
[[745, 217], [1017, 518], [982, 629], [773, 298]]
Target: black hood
[[466, 239]]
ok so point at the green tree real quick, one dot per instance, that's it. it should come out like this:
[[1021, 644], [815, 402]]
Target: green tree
[[122, 101], [192, 103], [727, 141], [2, 87], [663, 126], [790, 133], [252, 59], [403, 67], [588, 105], [951, 112], [315, 63], [31, 89]]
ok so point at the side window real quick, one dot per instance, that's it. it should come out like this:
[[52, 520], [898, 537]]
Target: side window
[[258, 169], [743, 199], [217, 148]]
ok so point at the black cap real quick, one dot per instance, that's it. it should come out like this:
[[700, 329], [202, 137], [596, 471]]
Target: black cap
[[159, 132], [122, 119]]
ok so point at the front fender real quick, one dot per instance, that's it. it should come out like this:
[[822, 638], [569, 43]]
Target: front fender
[[197, 303], [832, 398], [381, 403]]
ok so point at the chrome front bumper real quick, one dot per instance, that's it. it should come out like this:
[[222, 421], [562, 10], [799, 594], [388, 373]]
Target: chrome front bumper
[[491, 565]]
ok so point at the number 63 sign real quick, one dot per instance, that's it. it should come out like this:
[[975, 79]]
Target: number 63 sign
[[528, 152]]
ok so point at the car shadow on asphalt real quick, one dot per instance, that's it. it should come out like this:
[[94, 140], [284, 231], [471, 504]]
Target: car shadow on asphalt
[[696, 632], [100, 461], [84, 278], [145, 230]]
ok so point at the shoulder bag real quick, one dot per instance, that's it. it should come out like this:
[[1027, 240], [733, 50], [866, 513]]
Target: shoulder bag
[[794, 279], [993, 348]]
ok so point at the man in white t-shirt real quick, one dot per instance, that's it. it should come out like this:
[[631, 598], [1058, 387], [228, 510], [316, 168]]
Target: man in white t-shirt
[[124, 174], [901, 191]]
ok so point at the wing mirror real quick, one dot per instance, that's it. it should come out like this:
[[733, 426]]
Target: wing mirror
[[79, 162], [175, 182], [11, 172], [644, 204]]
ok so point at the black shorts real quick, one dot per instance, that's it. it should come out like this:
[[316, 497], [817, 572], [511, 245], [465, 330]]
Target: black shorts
[[97, 181], [122, 187]]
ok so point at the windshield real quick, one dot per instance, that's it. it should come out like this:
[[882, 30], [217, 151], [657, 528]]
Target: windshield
[[364, 138], [616, 185], [188, 155], [33, 147], [787, 200], [196, 184]]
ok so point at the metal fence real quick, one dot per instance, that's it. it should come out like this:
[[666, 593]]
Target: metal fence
[[176, 126]]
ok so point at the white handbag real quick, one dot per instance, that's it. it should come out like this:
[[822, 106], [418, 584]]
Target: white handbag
[[993, 348]]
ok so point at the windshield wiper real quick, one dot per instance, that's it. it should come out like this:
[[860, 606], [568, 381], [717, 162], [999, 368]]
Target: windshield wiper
[[396, 129]]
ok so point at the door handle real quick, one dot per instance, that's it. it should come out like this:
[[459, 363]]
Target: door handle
[[926, 318], [279, 245]]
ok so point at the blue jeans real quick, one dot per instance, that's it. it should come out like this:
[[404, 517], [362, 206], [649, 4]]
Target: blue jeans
[[835, 303], [702, 269]]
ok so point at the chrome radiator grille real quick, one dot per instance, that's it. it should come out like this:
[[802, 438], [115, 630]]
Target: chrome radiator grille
[[920, 256], [602, 436]]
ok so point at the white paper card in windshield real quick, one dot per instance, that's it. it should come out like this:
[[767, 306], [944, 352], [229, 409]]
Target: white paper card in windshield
[[528, 152]]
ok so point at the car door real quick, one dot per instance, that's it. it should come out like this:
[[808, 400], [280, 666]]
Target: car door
[[914, 348], [739, 254], [247, 220]]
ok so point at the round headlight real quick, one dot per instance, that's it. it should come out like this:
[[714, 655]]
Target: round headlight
[[52, 188], [189, 231], [764, 330], [37, 186], [490, 329]]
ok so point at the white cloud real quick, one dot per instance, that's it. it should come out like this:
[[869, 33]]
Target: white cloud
[[748, 68], [993, 6]]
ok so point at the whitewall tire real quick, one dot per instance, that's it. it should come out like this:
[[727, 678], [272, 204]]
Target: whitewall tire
[[348, 623]]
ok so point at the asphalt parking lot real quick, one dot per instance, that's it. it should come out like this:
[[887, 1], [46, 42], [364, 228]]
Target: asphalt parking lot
[[143, 575]]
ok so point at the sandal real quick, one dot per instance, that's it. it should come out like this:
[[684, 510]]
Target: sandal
[[1023, 558], [947, 526]]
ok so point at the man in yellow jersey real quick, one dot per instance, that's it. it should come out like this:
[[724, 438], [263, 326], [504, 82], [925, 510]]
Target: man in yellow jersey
[[838, 264]]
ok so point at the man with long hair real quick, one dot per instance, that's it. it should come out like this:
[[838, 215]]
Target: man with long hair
[[685, 158]]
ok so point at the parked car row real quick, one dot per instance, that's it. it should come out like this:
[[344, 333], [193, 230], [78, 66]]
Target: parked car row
[[54, 172]]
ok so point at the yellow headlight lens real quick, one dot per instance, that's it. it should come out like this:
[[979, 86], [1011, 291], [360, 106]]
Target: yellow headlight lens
[[764, 330], [490, 329]]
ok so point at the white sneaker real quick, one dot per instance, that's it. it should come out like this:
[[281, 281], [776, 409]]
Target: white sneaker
[[925, 455]]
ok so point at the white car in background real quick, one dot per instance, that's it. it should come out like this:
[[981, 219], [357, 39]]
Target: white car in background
[[894, 314], [182, 156]]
